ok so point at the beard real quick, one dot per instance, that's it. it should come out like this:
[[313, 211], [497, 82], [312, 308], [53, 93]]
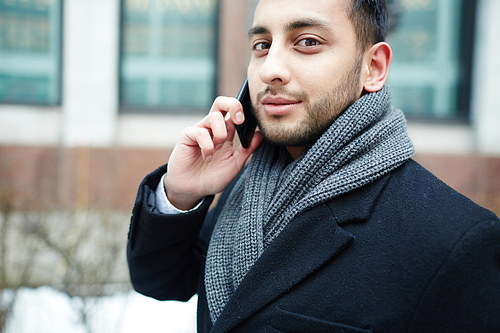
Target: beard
[[319, 115]]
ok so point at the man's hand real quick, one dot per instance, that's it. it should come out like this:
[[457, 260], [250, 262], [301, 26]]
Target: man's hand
[[204, 160]]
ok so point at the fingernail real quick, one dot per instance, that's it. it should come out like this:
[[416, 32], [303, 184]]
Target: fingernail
[[238, 117], [209, 158], [219, 146]]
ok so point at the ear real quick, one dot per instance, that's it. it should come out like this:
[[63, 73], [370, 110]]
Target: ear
[[377, 61]]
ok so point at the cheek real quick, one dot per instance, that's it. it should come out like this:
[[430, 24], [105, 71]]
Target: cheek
[[253, 67], [319, 74], [327, 76], [253, 85]]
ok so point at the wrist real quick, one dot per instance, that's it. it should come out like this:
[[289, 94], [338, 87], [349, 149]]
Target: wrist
[[181, 201]]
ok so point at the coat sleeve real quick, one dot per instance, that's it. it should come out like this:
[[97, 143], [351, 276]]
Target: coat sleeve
[[464, 294], [165, 253]]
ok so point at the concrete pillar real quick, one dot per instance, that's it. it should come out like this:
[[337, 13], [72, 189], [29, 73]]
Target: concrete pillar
[[91, 30], [485, 96]]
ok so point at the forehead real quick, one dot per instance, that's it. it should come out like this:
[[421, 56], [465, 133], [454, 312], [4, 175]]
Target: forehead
[[276, 15], [276, 12]]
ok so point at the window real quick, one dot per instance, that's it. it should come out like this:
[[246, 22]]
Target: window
[[168, 56], [30, 51], [430, 73]]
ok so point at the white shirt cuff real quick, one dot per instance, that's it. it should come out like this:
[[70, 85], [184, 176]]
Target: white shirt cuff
[[164, 206]]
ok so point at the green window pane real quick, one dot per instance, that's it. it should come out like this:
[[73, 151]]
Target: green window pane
[[168, 53], [30, 51], [427, 67]]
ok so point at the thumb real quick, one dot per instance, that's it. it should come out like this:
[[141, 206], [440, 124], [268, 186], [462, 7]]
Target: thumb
[[244, 153]]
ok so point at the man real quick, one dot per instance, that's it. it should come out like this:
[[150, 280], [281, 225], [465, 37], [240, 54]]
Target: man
[[331, 227]]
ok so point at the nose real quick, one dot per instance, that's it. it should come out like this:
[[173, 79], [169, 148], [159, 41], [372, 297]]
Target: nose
[[275, 69]]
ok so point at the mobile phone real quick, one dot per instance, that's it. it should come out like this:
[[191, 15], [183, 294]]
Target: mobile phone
[[247, 129]]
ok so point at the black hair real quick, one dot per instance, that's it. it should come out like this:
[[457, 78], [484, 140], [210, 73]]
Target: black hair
[[370, 20]]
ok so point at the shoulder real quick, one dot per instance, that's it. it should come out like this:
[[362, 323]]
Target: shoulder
[[441, 245], [433, 219], [418, 192], [456, 240], [418, 217]]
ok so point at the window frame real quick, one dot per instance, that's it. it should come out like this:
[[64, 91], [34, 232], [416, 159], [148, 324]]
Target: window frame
[[166, 110], [58, 36], [465, 39]]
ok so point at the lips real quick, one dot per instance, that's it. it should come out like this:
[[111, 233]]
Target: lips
[[277, 106]]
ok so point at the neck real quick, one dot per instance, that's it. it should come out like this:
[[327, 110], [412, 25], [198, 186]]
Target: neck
[[295, 152]]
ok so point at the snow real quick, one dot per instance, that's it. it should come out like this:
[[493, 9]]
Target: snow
[[47, 310]]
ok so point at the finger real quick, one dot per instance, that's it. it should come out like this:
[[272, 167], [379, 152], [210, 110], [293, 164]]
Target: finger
[[218, 128], [230, 128], [229, 105], [201, 137], [215, 123]]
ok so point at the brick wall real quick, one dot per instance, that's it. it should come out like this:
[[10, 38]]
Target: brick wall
[[477, 177], [44, 178]]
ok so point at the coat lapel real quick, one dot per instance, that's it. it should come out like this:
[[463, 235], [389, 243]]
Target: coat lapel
[[305, 245], [310, 241]]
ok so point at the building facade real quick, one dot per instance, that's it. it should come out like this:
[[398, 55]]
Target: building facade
[[94, 93]]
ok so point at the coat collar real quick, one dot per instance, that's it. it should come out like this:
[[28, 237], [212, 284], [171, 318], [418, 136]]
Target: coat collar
[[357, 206], [311, 239]]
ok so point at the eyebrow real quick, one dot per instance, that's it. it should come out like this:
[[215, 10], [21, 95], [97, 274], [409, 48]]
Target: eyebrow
[[292, 26]]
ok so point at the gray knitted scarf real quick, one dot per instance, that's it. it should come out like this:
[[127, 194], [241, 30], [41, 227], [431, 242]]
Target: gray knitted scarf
[[365, 142]]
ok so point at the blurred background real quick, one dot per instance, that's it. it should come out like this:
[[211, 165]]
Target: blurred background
[[94, 93]]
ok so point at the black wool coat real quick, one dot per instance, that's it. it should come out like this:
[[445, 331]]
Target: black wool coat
[[405, 253]]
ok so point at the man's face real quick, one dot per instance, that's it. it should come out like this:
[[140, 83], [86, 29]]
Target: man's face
[[305, 68]]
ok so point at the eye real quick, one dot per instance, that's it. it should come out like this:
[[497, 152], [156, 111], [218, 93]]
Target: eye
[[308, 42], [261, 46]]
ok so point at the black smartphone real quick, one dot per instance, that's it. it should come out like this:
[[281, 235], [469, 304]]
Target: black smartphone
[[247, 129]]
